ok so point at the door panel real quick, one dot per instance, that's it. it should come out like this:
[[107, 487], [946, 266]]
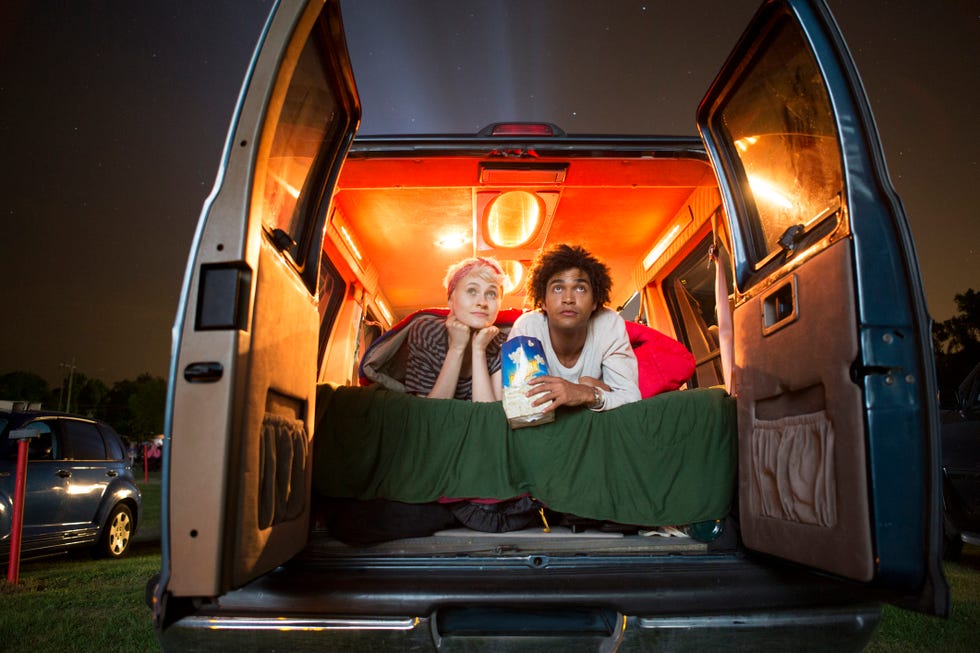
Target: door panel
[[243, 376], [838, 427], [801, 433], [272, 489]]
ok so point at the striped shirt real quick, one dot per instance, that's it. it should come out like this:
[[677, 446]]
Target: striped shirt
[[428, 345]]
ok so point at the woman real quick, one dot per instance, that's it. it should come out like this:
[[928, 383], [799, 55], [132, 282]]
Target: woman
[[459, 357], [453, 357]]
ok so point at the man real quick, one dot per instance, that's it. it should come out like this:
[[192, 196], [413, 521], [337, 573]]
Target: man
[[590, 360]]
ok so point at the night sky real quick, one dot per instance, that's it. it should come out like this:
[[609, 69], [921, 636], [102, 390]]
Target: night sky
[[113, 116]]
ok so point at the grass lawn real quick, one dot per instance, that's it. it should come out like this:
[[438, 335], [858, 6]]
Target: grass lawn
[[908, 632], [73, 603]]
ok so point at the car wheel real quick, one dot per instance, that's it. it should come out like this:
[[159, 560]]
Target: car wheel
[[117, 533]]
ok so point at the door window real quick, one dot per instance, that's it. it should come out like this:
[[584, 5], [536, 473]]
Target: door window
[[782, 146], [308, 117]]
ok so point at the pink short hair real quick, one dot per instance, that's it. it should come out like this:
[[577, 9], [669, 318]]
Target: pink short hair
[[489, 269]]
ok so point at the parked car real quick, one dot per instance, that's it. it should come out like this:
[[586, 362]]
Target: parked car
[[79, 490], [789, 529], [961, 468]]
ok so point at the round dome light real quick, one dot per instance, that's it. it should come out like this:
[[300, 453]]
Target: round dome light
[[513, 218]]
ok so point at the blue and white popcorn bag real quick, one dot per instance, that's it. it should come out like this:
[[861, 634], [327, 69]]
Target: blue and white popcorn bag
[[523, 359]]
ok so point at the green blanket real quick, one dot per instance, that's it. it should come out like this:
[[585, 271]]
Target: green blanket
[[669, 459]]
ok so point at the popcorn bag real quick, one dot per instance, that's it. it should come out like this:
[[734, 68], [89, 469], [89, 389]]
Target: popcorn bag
[[522, 360]]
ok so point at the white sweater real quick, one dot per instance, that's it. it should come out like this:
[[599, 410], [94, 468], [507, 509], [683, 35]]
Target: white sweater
[[607, 354]]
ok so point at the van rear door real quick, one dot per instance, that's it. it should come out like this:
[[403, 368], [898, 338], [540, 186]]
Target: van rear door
[[243, 373], [838, 447]]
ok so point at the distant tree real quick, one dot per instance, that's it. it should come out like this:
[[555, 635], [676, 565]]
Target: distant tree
[[25, 386], [147, 404], [956, 345], [68, 393], [135, 407], [89, 397], [117, 410]]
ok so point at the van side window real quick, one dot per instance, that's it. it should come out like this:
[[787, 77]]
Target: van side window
[[690, 290], [330, 295]]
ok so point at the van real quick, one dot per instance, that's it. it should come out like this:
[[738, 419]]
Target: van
[[777, 498]]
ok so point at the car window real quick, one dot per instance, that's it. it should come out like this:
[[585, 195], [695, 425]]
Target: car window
[[82, 441], [43, 447], [113, 443], [784, 138]]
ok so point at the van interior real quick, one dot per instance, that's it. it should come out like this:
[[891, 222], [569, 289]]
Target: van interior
[[400, 218]]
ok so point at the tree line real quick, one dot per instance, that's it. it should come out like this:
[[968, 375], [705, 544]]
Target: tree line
[[956, 346], [134, 407]]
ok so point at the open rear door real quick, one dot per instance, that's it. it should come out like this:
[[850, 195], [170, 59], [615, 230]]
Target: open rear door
[[243, 373], [838, 424]]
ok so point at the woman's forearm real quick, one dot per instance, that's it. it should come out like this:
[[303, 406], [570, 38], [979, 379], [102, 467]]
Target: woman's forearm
[[445, 385], [483, 388]]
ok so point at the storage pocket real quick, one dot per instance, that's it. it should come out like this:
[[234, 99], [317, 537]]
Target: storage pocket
[[282, 470], [793, 469]]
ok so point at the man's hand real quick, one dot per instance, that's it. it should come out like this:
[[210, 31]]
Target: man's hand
[[559, 392]]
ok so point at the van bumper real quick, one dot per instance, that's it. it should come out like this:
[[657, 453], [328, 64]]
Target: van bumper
[[839, 629]]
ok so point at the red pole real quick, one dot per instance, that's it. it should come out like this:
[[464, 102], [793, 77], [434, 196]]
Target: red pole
[[146, 466], [17, 525]]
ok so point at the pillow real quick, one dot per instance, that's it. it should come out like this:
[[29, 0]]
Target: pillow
[[664, 364]]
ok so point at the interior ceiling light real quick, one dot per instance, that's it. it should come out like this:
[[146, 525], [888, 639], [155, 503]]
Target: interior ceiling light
[[513, 218], [383, 308], [514, 272], [452, 241], [665, 241], [349, 241]]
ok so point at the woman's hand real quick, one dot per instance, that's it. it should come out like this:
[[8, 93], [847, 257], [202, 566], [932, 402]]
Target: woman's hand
[[484, 337], [459, 333]]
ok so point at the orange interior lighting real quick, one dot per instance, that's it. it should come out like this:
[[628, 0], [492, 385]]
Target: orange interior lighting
[[452, 241], [514, 272], [383, 308], [513, 218], [349, 241]]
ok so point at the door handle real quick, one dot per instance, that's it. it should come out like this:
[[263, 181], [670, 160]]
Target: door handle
[[112, 473], [203, 372], [64, 473], [780, 307]]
